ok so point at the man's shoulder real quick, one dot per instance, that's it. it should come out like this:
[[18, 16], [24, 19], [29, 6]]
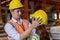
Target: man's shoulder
[[26, 20], [28, 23], [8, 24]]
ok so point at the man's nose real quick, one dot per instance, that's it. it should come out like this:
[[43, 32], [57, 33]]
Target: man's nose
[[19, 13]]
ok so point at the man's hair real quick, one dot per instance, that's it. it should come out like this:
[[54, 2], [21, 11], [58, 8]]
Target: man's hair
[[14, 9]]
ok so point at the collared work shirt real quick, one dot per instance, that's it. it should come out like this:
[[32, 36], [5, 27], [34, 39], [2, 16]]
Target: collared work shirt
[[11, 31]]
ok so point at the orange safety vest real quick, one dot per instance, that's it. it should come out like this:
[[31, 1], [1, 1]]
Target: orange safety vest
[[18, 27]]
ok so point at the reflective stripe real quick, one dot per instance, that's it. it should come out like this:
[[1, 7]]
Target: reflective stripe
[[34, 37]]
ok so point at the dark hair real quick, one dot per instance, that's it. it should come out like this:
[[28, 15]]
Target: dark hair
[[42, 32], [15, 9]]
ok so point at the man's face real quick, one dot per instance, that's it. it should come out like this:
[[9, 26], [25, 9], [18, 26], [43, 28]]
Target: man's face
[[16, 13]]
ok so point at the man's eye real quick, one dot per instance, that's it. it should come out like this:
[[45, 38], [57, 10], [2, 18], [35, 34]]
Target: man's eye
[[18, 11]]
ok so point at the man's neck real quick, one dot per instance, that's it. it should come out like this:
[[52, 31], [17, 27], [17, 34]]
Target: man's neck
[[17, 19]]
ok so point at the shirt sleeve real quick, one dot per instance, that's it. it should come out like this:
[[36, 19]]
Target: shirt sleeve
[[12, 32], [33, 31]]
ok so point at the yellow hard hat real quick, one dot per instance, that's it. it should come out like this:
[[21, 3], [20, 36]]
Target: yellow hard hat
[[18, 0], [42, 15], [15, 4]]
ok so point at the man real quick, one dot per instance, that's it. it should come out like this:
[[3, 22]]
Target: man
[[17, 28]]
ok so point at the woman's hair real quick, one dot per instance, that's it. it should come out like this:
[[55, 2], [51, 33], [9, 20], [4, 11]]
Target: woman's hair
[[41, 30]]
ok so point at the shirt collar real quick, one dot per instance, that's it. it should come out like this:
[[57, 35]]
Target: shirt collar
[[16, 20]]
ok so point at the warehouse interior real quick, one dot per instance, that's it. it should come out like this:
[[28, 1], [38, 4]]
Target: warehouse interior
[[51, 7]]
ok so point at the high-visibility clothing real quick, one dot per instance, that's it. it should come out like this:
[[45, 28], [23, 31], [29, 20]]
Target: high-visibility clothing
[[18, 27]]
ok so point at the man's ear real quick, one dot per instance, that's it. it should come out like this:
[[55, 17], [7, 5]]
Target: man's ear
[[11, 11]]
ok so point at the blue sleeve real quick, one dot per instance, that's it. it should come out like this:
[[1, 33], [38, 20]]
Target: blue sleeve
[[12, 32], [29, 24], [33, 31]]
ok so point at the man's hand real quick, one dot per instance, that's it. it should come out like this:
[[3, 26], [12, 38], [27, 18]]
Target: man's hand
[[36, 22], [10, 38]]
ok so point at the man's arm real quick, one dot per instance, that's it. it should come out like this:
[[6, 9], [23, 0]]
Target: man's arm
[[26, 33], [34, 24], [12, 32]]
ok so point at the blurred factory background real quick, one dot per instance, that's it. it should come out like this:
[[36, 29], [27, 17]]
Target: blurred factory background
[[51, 7]]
